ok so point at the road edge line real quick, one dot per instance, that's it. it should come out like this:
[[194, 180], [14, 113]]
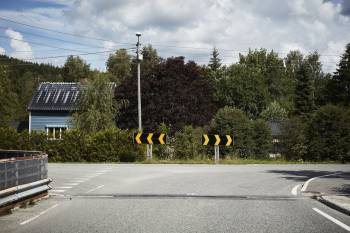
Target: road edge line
[[303, 189], [334, 220]]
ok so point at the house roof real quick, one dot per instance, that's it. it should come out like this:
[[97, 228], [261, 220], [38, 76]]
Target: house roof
[[57, 96]]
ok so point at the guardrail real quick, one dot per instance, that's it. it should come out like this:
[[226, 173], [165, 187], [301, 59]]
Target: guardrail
[[23, 174]]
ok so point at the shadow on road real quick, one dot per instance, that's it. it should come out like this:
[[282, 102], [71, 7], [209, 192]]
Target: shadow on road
[[303, 175], [343, 190]]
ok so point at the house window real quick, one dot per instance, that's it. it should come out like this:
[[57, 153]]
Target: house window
[[55, 132]]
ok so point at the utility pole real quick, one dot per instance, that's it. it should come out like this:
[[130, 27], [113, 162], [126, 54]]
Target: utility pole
[[138, 80]]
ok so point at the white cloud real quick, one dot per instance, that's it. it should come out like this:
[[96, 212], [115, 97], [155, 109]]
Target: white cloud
[[21, 48], [231, 25], [2, 51]]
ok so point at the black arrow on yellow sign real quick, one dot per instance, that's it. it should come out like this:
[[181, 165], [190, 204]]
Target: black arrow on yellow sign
[[150, 138], [217, 140]]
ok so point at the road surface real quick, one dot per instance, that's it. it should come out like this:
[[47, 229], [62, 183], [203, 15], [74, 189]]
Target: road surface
[[179, 198]]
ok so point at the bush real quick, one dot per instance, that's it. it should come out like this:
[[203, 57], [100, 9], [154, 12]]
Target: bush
[[187, 143], [262, 138], [328, 134], [230, 121], [293, 139], [111, 145]]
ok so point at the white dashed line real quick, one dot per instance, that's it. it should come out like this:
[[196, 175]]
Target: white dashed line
[[336, 221], [295, 189], [98, 187], [41, 213], [64, 187], [71, 184], [58, 190]]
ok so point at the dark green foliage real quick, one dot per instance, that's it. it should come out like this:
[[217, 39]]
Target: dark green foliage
[[175, 93], [233, 121], [339, 86], [261, 135], [304, 90], [119, 65], [18, 80], [75, 69], [187, 143], [112, 145], [293, 139], [243, 87], [328, 134]]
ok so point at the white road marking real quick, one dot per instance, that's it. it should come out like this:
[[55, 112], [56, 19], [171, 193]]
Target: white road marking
[[314, 178], [64, 187], [41, 213], [58, 190], [71, 184], [98, 187], [295, 189], [336, 221], [80, 181]]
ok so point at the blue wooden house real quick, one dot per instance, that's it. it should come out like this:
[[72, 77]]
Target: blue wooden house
[[51, 108]]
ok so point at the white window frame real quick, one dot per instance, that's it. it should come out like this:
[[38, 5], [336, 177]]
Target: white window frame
[[54, 127]]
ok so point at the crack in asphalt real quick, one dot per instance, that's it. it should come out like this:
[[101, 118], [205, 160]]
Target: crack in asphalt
[[181, 196]]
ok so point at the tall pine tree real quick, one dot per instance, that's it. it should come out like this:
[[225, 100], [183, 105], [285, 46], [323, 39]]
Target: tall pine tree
[[339, 86], [215, 61], [304, 90]]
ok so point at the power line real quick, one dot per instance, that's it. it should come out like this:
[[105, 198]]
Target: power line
[[156, 44], [57, 39], [65, 33]]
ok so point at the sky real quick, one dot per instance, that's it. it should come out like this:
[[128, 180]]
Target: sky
[[190, 28]]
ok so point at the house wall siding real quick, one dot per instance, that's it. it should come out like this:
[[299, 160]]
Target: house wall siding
[[39, 120]]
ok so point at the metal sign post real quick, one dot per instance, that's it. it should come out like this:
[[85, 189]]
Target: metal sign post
[[217, 153], [149, 151]]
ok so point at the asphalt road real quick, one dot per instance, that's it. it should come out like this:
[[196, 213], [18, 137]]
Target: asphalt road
[[179, 198]]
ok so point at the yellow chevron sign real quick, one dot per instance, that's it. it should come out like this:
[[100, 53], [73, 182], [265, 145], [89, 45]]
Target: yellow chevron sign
[[206, 139], [215, 139], [229, 140], [137, 138], [149, 138], [161, 138], [217, 142]]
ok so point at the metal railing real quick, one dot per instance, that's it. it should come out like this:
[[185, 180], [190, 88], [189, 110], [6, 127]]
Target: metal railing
[[20, 173]]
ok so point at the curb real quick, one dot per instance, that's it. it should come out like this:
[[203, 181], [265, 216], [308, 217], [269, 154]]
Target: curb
[[333, 205]]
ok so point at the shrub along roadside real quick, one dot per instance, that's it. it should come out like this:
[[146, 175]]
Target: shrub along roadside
[[112, 145]]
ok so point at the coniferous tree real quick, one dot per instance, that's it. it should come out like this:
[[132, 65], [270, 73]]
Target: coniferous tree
[[215, 61], [304, 91], [339, 86]]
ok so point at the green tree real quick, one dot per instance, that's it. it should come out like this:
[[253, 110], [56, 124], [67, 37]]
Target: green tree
[[230, 121], [75, 69], [293, 139], [98, 109], [339, 85], [261, 135], [243, 87], [9, 106], [304, 91], [274, 111], [293, 61], [119, 65], [328, 134], [187, 143], [215, 61]]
